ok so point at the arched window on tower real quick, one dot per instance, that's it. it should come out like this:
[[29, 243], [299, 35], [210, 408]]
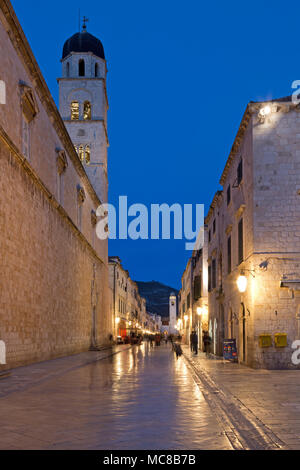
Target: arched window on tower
[[81, 153], [81, 68], [68, 69], [74, 111], [87, 110], [96, 70], [87, 154]]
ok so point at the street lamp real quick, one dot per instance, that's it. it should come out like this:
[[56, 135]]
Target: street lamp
[[242, 282]]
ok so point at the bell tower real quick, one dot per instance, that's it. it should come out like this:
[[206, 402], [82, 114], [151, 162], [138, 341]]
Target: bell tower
[[83, 104], [172, 313]]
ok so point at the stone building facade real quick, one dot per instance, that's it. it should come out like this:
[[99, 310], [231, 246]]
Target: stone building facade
[[193, 301], [128, 307], [185, 303], [254, 238], [54, 271]]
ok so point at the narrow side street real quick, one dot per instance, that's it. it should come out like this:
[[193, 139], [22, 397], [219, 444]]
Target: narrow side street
[[141, 398]]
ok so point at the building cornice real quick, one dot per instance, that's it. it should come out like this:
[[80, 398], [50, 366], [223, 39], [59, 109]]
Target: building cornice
[[81, 79], [25, 53], [213, 205], [236, 144], [84, 122]]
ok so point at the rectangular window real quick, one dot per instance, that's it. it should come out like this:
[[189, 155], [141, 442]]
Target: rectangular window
[[240, 172], [228, 195], [229, 255], [240, 242], [213, 274], [183, 307], [188, 301], [209, 236], [197, 287], [209, 278], [214, 226]]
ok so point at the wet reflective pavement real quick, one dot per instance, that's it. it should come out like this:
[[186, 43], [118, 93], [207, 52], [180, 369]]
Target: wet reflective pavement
[[140, 398]]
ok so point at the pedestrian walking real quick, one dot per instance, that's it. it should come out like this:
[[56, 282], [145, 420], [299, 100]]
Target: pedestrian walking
[[206, 342], [191, 340], [195, 343]]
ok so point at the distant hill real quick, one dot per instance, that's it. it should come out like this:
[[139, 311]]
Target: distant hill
[[157, 296]]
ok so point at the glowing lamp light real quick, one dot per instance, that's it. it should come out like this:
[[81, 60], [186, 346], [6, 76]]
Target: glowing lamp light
[[242, 283], [117, 320], [186, 317], [199, 311], [265, 111]]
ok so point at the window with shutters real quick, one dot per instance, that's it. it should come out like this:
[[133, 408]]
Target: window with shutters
[[228, 195], [229, 255], [213, 274], [197, 287], [240, 172], [240, 242]]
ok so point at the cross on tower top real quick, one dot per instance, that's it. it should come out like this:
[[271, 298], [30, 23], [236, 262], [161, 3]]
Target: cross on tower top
[[84, 20]]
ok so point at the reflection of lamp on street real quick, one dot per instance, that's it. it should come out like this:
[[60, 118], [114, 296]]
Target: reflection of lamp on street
[[242, 282]]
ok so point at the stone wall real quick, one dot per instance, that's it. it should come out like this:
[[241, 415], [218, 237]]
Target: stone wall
[[54, 271]]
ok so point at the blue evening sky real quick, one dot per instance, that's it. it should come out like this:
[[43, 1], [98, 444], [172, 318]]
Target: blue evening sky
[[180, 76]]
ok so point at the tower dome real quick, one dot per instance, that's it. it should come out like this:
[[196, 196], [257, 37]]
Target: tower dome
[[83, 42]]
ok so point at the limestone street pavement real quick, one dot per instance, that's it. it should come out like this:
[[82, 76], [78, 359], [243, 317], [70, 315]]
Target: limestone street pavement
[[140, 398], [256, 408]]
